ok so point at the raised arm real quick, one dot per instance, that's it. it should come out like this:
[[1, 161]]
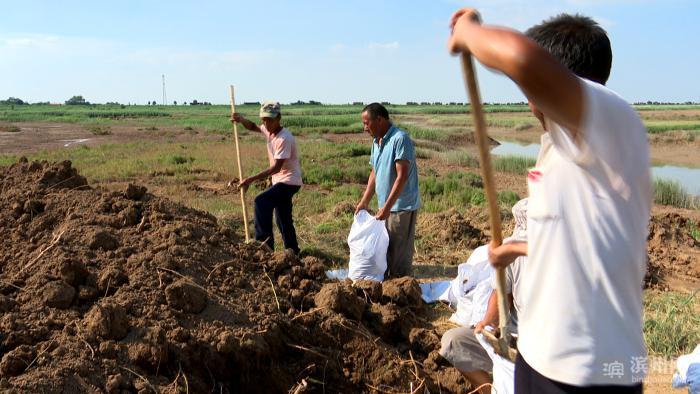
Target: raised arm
[[551, 87], [236, 117]]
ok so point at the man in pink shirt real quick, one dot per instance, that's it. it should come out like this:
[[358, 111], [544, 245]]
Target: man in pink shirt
[[286, 177]]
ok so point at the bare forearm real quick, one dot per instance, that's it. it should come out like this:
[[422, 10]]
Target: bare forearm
[[369, 191], [267, 173], [517, 248], [502, 255], [553, 89], [249, 124], [491, 315]]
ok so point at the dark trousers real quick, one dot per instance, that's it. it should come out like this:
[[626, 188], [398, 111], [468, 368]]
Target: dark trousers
[[527, 380], [278, 198]]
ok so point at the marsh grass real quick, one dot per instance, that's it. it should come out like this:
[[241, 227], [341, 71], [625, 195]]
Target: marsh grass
[[454, 189], [668, 192], [513, 164], [460, 158], [671, 322], [654, 127], [420, 133]]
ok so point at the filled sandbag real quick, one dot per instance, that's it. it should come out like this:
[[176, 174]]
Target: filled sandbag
[[368, 241]]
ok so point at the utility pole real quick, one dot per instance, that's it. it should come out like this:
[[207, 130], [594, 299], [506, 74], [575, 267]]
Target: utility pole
[[165, 98]]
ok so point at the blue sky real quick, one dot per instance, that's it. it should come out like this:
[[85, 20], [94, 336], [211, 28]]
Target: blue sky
[[334, 51]]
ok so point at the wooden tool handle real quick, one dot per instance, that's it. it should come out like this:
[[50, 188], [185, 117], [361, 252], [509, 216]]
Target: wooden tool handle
[[240, 170], [489, 184]]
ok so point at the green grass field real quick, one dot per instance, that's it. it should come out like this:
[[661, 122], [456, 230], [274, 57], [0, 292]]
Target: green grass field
[[302, 118]]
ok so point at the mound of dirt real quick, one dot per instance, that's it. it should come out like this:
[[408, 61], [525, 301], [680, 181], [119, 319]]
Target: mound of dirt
[[672, 250], [454, 229], [129, 292]]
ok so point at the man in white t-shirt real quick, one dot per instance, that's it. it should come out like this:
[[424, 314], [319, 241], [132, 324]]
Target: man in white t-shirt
[[285, 171], [589, 206]]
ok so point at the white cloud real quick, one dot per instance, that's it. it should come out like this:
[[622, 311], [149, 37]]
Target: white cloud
[[338, 48], [384, 46], [170, 57], [108, 70], [28, 41]]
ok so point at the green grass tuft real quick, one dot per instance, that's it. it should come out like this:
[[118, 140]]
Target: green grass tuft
[[694, 230], [514, 164], [179, 159], [671, 322], [100, 130], [10, 129], [508, 198]]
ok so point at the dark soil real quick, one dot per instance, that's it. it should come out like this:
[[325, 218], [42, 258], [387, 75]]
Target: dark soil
[[120, 292], [672, 250]]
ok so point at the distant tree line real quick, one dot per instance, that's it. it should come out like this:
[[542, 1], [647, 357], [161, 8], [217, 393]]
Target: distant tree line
[[310, 102], [77, 100], [13, 101], [665, 103], [80, 100]]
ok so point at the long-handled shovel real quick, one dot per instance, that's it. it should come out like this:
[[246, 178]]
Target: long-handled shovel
[[240, 170], [500, 344]]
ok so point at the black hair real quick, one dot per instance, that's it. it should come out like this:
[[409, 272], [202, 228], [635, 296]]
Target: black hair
[[578, 42], [376, 109]]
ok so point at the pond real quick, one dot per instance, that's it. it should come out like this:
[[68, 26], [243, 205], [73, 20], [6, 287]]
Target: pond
[[688, 177]]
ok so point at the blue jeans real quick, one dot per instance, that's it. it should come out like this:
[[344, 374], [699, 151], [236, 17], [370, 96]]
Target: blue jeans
[[278, 198]]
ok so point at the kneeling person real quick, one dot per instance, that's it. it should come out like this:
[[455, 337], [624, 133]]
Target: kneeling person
[[460, 345]]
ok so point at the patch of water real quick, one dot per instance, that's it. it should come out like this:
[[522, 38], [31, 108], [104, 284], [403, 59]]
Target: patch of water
[[688, 177], [72, 142], [514, 149]]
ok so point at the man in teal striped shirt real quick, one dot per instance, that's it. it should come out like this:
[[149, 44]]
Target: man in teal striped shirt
[[394, 178]]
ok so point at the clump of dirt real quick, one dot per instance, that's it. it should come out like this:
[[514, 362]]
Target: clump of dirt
[[128, 292], [672, 250]]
